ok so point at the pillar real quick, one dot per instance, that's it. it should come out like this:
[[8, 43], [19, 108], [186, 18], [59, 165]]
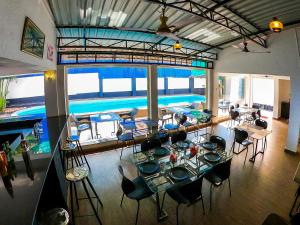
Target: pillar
[[152, 92], [166, 85], [191, 85], [56, 94], [294, 120]]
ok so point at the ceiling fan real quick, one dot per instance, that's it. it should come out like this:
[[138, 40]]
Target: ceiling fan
[[244, 47], [164, 29]]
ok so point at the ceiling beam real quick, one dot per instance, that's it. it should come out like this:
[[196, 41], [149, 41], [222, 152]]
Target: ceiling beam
[[236, 13], [210, 9], [197, 9], [258, 32], [131, 30]]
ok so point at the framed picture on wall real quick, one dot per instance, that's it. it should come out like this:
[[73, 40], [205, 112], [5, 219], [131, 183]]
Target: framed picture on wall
[[33, 39]]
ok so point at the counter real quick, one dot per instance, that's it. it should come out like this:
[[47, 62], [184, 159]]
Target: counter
[[35, 177]]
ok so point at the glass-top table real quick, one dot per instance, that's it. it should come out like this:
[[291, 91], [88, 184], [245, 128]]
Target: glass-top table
[[195, 166]]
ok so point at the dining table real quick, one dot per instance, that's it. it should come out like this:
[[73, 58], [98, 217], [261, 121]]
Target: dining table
[[256, 133], [190, 113], [105, 117], [168, 172], [244, 110]]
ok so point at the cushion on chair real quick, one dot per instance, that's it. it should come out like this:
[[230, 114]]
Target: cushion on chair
[[247, 142], [126, 137], [83, 127], [171, 126]]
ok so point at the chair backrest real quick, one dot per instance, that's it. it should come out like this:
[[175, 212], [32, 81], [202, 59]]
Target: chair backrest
[[258, 112], [221, 143], [150, 144], [223, 170], [207, 111], [119, 131], [240, 135], [178, 136], [183, 119], [192, 190], [127, 185], [133, 112], [177, 118], [234, 114], [253, 115], [261, 123], [237, 105]]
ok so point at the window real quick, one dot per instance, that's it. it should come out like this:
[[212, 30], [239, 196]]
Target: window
[[83, 83], [178, 83]]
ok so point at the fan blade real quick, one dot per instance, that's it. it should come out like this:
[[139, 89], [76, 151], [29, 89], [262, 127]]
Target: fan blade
[[169, 35]]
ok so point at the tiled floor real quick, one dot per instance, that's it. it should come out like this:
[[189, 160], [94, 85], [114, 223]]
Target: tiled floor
[[257, 189]]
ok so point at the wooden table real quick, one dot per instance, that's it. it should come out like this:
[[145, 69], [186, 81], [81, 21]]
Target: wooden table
[[257, 133]]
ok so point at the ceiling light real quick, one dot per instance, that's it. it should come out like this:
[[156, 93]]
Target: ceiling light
[[177, 45], [276, 25]]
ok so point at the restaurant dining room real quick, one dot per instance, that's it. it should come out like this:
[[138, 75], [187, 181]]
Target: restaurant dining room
[[149, 112]]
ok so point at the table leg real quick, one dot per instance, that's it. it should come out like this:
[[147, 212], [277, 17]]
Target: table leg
[[161, 213]]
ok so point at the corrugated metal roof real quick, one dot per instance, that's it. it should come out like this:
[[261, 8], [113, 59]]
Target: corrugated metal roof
[[140, 14]]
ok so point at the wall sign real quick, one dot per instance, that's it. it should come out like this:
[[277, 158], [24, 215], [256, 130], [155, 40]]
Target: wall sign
[[50, 52]]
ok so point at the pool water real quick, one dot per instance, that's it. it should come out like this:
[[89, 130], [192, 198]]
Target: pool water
[[102, 105]]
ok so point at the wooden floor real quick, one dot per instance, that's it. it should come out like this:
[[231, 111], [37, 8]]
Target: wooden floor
[[257, 189]]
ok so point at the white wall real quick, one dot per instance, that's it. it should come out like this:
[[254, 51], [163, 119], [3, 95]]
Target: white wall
[[117, 85], [26, 87], [178, 83], [283, 60], [83, 83], [13, 13]]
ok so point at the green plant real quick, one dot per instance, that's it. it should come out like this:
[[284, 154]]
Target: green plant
[[4, 84]]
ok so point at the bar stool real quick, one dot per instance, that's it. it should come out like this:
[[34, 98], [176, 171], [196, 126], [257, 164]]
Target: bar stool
[[75, 139], [56, 216], [69, 152], [80, 174]]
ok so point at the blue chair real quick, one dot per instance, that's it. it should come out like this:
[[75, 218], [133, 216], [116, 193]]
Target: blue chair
[[186, 192], [125, 139], [135, 189], [129, 115], [173, 126]]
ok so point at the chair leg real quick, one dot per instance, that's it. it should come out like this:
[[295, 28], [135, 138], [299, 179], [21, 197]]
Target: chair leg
[[163, 201], [122, 199], [177, 209], [229, 186], [137, 213], [76, 195], [210, 196], [93, 189], [121, 151], [246, 155], [91, 202], [72, 204]]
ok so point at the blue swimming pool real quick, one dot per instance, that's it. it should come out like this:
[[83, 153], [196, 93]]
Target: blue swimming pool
[[102, 105]]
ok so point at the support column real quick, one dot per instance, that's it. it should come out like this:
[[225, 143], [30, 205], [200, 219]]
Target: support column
[[152, 92], [191, 85], [100, 85], [133, 86], [166, 85], [56, 94], [294, 120], [209, 90]]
